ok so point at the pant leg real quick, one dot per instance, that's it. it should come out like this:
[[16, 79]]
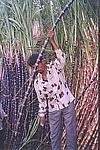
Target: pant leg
[[69, 115], [55, 121]]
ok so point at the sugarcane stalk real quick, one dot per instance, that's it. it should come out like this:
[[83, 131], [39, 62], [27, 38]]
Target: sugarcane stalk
[[95, 144], [91, 138], [33, 131], [82, 147], [93, 78], [83, 117], [43, 140], [81, 125], [87, 103], [84, 90]]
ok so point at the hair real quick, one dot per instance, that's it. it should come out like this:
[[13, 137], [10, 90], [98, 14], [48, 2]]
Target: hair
[[33, 58]]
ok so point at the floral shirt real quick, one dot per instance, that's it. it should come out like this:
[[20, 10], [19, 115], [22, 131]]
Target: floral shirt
[[55, 88]]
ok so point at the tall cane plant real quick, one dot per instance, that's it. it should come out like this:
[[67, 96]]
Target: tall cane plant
[[27, 21]]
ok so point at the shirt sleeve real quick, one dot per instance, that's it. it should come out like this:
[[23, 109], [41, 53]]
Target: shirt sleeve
[[2, 113], [60, 60], [42, 100]]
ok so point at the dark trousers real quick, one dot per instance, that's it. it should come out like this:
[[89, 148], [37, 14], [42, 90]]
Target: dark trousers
[[2, 139]]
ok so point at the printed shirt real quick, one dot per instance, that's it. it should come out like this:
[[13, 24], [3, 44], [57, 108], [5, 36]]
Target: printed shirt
[[55, 88]]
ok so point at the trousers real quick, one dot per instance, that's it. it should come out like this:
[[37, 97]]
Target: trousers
[[57, 119]]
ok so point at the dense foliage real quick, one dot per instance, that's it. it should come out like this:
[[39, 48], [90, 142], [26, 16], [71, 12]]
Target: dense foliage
[[23, 28]]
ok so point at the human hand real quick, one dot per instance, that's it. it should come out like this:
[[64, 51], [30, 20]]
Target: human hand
[[42, 120], [50, 35]]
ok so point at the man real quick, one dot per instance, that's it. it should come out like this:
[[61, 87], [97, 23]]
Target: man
[[50, 84]]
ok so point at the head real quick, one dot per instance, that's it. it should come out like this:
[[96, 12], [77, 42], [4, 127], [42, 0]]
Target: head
[[41, 64]]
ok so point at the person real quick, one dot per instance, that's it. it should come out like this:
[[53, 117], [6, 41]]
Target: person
[[50, 84]]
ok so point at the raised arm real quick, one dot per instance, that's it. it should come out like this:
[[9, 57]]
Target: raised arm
[[60, 61], [52, 41]]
